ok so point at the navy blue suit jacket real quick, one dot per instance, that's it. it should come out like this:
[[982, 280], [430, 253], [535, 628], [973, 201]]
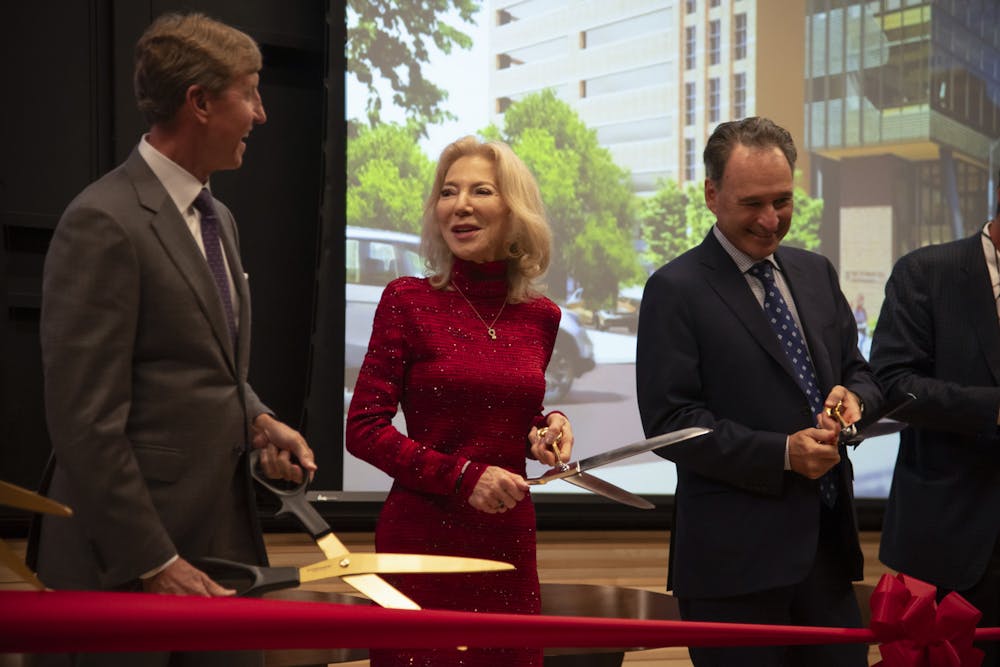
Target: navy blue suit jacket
[[938, 338], [706, 356]]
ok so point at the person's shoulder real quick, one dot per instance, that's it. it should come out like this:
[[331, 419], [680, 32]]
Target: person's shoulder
[[406, 286], [801, 255], [941, 252], [108, 201], [546, 306], [807, 260], [683, 267], [100, 193]]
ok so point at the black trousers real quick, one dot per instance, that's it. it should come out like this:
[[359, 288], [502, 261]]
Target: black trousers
[[985, 596], [825, 598]]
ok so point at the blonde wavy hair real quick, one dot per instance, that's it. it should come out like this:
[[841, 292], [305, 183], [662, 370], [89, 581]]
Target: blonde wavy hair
[[529, 240]]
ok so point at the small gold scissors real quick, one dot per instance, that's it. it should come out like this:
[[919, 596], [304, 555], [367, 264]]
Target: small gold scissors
[[847, 431]]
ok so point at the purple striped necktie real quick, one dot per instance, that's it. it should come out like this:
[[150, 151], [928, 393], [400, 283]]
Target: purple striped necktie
[[213, 254]]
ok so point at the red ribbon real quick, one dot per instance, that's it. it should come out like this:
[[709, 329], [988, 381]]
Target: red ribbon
[[56, 621], [917, 631]]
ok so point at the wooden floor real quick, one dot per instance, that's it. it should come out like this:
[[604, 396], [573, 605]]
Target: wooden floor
[[634, 559]]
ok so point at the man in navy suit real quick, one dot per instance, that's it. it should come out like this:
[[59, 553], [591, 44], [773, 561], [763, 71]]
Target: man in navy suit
[[753, 539], [938, 338]]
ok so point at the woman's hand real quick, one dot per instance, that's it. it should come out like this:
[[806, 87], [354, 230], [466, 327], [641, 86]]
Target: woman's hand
[[552, 444], [497, 491]]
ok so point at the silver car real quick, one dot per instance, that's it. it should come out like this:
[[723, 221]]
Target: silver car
[[374, 257]]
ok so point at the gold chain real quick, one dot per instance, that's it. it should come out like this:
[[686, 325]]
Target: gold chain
[[489, 327]]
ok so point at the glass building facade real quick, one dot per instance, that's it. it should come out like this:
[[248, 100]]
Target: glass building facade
[[902, 105]]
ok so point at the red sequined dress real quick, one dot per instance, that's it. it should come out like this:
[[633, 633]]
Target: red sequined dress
[[466, 398]]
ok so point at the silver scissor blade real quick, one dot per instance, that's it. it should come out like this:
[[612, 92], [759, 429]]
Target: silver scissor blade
[[608, 490], [567, 470], [648, 445], [881, 427]]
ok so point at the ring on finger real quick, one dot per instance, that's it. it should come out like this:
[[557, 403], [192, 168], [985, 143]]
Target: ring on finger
[[501, 505], [542, 431]]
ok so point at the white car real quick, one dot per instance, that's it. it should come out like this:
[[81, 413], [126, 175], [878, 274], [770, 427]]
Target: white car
[[374, 257]]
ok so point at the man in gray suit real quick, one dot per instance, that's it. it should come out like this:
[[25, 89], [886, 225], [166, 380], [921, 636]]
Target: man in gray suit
[[145, 334]]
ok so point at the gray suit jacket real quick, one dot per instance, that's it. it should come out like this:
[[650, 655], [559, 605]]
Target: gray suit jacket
[[147, 402]]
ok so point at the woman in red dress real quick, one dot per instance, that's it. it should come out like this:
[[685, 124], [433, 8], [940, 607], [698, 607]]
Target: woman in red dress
[[464, 353]]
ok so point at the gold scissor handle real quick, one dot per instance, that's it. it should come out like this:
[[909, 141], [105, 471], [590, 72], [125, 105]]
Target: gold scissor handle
[[555, 446], [835, 413], [847, 431]]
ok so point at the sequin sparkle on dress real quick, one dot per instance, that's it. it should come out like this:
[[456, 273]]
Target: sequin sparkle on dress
[[466, 398]]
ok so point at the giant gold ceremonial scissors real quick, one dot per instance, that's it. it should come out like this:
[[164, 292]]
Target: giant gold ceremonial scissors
[[362, 576], [254, 580], [14, 496]]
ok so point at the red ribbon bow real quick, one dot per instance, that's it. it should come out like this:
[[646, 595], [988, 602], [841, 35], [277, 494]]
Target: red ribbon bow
[[916, 631]]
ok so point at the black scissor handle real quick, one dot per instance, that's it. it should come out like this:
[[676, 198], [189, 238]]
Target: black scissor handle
[[293, 500], [297, 490], [247, 580]]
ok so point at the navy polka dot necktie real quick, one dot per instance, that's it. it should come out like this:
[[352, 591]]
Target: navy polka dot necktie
[[793, 343], [213, 254]]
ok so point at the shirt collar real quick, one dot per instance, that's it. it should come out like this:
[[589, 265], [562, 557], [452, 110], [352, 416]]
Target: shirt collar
[[179, 183], [743, 261]]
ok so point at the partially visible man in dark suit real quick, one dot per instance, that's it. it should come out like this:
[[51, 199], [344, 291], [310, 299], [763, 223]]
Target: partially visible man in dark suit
[[145, 335], [938, 338], [764, 527]]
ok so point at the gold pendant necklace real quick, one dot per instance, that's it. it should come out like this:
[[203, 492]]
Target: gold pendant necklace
[[489, 327]]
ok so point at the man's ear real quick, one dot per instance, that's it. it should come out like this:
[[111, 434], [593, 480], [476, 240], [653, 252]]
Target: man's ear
[[196, 99], [710, 194]]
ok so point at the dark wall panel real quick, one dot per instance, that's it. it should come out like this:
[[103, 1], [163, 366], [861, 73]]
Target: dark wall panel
[[75, 118], [54, 129]]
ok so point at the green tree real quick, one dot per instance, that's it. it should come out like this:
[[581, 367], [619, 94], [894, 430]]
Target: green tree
[[699, 218], [804, 232], [663, 223], [388, 178], [388, 40], [588, 197]]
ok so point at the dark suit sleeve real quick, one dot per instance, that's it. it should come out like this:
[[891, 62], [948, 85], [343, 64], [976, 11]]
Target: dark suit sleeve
[[88, 329], [671, 394], [915, 352]]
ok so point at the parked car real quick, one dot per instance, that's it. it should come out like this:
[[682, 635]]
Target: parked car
[[374, 257], [625, 313]]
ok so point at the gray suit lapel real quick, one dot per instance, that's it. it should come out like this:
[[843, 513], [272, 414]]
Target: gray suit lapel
[[174, 235]]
